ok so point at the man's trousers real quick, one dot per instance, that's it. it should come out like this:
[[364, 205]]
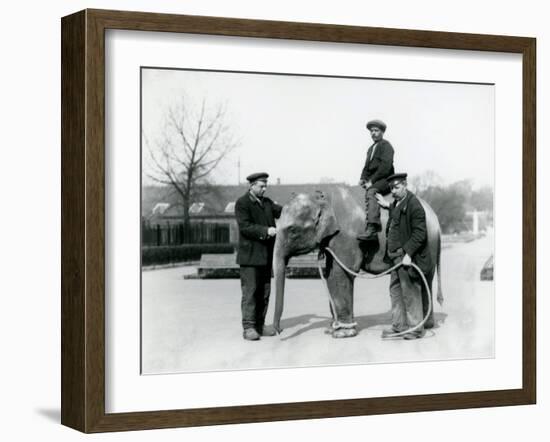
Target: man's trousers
[[255, 287]]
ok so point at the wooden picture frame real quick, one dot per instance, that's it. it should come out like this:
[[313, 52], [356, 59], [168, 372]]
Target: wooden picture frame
[[83, 220]]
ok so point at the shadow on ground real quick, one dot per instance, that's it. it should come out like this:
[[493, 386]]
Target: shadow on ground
[[51, 414], [308, 323]]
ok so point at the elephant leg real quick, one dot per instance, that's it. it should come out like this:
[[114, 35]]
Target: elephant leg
[[340, 286]]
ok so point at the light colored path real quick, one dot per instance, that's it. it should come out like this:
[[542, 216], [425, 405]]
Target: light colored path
[[194, 325]]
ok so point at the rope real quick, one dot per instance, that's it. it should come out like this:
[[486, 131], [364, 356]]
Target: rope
[[337, 324]]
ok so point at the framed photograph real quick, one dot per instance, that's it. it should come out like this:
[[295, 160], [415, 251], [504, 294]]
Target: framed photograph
[[267, 220]]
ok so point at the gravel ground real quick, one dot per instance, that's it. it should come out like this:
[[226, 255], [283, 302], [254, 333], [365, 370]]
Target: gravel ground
[[194, 325]]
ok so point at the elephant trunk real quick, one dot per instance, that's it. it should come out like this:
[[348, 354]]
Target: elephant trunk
[[279, 270]]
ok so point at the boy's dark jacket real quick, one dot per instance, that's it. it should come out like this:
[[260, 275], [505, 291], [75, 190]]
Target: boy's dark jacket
[[377, 169]]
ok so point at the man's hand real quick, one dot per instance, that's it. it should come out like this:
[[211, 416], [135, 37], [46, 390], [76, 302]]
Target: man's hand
[[271, 231], [407, 261], [382, 201]]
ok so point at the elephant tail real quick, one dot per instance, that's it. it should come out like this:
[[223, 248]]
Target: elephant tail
[[438, 265]]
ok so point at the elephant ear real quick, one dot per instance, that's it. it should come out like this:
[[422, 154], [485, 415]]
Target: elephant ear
[[327, 225]]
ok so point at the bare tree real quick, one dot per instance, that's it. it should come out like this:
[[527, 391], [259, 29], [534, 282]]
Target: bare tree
[[192, 144], [421, 183]]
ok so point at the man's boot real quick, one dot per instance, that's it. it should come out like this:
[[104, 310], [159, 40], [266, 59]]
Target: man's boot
[[250, 334]]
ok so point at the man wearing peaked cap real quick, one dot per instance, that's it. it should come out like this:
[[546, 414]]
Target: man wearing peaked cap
[[378, 166], [259, 176], [407, 242], [256, 216], [376, 123], [396, 178]]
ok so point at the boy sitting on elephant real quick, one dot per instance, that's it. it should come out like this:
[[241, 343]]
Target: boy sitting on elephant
[[378, 167]]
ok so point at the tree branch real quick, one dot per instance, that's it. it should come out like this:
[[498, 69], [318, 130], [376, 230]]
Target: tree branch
[[190, 148]]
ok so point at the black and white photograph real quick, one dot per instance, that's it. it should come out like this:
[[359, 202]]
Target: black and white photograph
[[252, 221], [304, 220]]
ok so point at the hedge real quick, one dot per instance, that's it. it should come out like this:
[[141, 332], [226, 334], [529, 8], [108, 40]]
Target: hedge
[[154, 255]]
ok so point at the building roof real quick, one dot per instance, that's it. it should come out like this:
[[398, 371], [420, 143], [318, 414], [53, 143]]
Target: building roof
[[218, 200]]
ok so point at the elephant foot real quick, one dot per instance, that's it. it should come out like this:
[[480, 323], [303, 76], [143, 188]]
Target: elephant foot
[[344, 333]]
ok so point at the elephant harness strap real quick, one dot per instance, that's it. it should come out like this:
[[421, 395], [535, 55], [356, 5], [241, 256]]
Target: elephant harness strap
[[336, 324]]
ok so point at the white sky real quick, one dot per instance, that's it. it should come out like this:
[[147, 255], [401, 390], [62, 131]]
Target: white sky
[[301, 129]]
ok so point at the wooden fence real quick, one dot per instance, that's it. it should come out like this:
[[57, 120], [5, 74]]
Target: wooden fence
[[178, 234]]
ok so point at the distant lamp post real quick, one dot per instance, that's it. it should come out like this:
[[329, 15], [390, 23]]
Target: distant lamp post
[[475, 221]]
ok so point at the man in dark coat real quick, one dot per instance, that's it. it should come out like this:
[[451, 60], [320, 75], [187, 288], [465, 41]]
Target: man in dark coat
[[378, 166], [256, 216], [407, 242]]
